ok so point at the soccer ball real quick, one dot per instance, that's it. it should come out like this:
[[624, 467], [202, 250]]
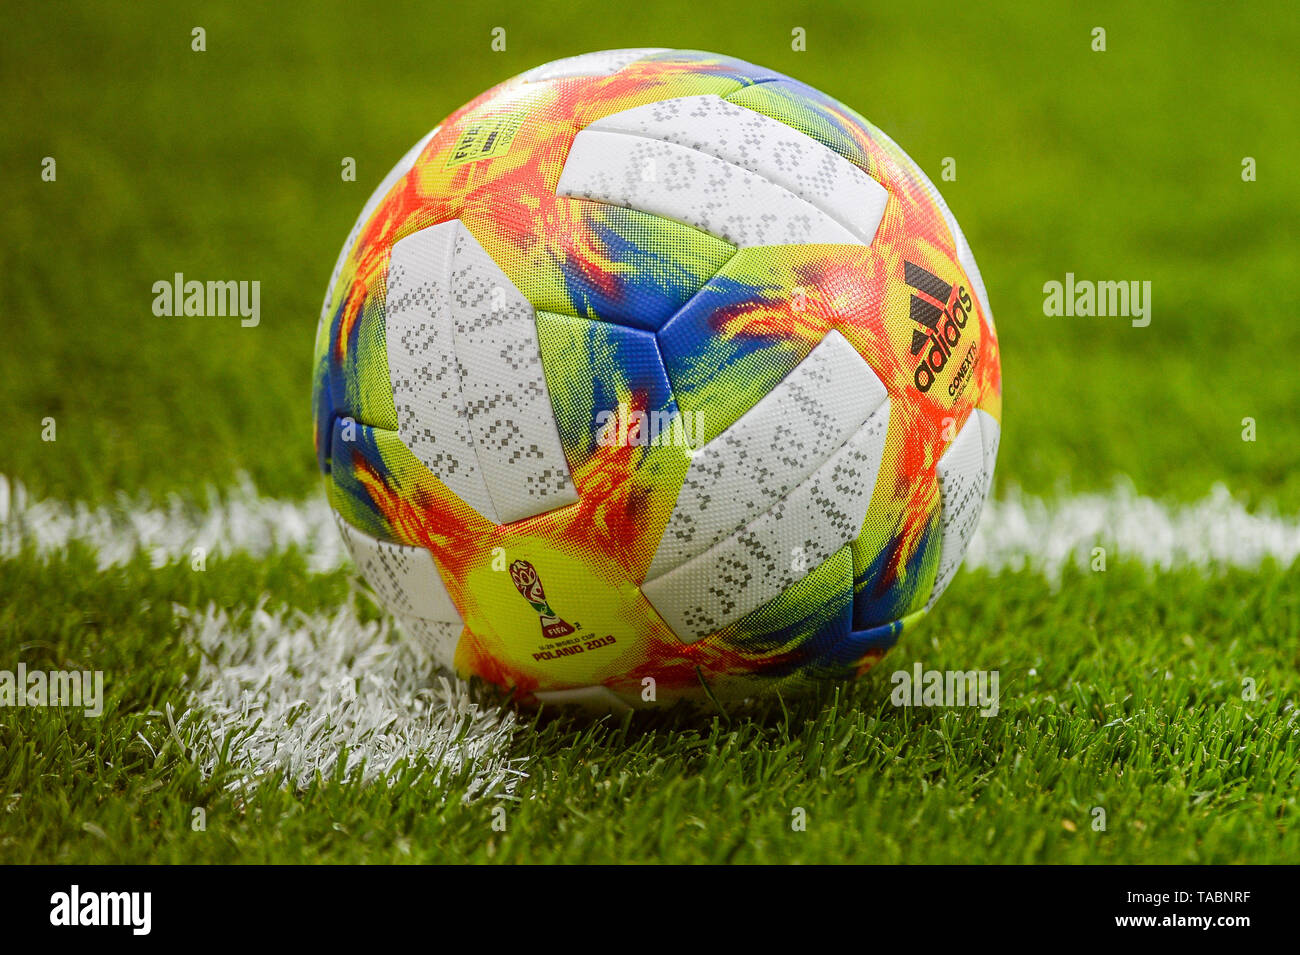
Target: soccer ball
[[652, 375]]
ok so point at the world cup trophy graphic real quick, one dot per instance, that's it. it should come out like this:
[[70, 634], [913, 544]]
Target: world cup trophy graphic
[[529, 585]]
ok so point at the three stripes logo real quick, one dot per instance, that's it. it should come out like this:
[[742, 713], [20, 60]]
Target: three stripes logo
[[941, 314]]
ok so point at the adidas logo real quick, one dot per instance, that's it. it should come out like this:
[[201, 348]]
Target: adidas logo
[[941, 315]]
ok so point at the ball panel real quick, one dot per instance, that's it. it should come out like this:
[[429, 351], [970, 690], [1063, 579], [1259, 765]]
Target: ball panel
[[509, 405], [436, 639], [965, 476], [432, 410], [689, 186], [404, 577], [627, 446], [770, 149], [776, 549], [770, 450]]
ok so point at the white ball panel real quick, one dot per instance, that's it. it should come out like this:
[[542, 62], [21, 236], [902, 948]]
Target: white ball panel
[[437, 639], [766, 147], [688, 186], [773, 447], [405, 578], [990, 435], [504, 385], [965, 475], [432, 414], [780, 547]]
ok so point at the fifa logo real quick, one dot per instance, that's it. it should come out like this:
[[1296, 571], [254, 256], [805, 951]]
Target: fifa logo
[[524, 576], [943, 321]]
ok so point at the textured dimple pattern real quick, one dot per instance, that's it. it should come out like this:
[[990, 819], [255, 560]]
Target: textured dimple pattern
[[965, 475], [466, 371], [504, 386], [432, 416], [404, 577], [437, 638], [757, 461], [725, 200], [782, 156], [780, 546]]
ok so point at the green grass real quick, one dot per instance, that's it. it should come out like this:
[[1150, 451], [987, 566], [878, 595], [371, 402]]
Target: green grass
[[1120, 690]]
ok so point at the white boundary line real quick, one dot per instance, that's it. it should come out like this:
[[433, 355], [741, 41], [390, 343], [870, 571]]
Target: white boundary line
[[233, 521], [287, 693], [1016, 531]]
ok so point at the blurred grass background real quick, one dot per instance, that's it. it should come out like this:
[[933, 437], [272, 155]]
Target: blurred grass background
[[226, 164]]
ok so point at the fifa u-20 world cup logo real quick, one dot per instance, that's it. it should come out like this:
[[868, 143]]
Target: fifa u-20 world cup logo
[[524, 576]]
